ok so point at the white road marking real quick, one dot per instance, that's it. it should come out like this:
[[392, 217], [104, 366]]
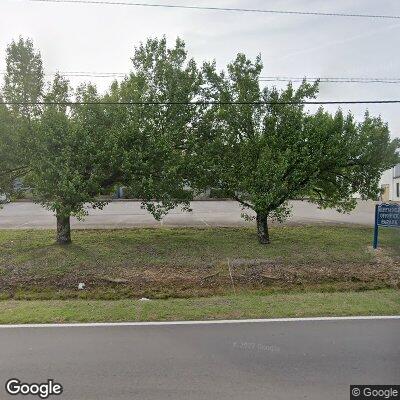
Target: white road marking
[[204, 222], [24, 224], [210, 322]]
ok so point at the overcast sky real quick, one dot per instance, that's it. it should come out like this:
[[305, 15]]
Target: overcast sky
[[77, 37]]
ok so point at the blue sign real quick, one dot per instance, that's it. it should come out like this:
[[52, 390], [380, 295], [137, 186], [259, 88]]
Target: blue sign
[[386, 215], [389, 215]]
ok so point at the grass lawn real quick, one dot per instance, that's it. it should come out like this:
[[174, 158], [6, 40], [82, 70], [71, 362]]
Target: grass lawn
[[245, 305], [188, 262]]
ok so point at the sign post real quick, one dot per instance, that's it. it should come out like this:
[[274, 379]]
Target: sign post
[[386, 215], [376, 230]]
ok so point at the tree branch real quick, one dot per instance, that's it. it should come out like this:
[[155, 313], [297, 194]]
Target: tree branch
[[242, 202], [10, 171]]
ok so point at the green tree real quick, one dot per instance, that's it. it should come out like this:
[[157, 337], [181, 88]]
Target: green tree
[[71, 160], [24, 78], [63, 154], [155, 139], [23, 83], [9, 167], [74, 153], [264, 155]]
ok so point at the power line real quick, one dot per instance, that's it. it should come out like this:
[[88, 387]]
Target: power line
[[82, 74], [329, 80], [199, 103], [92, 74], [205, 8]]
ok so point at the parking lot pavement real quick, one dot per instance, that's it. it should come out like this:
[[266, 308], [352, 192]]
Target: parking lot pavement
[[125, 214]]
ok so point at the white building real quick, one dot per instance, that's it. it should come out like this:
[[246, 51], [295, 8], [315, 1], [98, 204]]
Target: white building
[[390, 183]]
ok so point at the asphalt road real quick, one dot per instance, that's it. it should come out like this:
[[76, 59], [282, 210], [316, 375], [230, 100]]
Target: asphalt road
[[264, 360], [205, 213]]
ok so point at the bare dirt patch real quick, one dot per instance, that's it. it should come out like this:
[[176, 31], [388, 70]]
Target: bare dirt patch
[[155, 281]]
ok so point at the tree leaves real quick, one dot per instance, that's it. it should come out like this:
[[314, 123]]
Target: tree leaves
[[262, 155], [267, 154]]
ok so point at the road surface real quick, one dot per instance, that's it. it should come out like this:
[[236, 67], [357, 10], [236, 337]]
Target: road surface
[[121, 214], [263, 360]]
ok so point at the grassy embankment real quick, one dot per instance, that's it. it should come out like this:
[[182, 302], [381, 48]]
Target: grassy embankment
[[307, 270], [242, 306]]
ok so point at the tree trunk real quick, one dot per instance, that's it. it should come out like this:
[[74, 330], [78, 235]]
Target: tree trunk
[[262, 228], [63, 229]]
